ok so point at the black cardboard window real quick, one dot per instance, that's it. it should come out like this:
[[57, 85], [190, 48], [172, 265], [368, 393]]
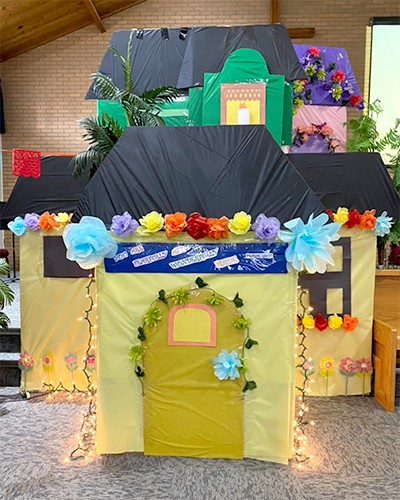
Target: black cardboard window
[[56, 264]]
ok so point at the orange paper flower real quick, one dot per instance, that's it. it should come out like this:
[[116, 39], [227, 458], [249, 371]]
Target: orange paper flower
[[47, 222], [218, 228], [368, 219], [349, 322], [174, 223]]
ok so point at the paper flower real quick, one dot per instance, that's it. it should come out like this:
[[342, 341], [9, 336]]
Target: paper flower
[[197, 226], [48, 361], [242, 323], [218, 228], [63, 218], [174, 223], [321, 323], [308, 321], [338, 76], [47, 222], [226, 365], [17, 226], [354, 218], [26, 361], [151, 223], [335, 322], [266, 228], [136, 353], [31, 222], [152, 316], [181, 296], [71, 362], [383, 224], [123, 225], [88, 242], [91, 362], [326, 366], [307, 367], [348, 367], [355, 100], [313, 51], [240, 223], [341, 216], [363, 367], [309, 244], [368, 219], [349, 322]]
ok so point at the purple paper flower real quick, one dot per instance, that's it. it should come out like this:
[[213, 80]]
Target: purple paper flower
[[123, 225], [266, 228], [31, 222]]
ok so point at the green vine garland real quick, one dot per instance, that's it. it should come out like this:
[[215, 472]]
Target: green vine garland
[[181, 296]]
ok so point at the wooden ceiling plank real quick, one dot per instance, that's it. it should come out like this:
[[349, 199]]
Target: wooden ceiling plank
[[95, 15]]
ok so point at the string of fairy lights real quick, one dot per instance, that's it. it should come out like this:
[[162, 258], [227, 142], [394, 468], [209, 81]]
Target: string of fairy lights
[[301, 418]]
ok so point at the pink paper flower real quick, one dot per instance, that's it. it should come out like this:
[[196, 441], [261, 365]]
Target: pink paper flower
[[313, 51], [348, 366], [364, 367], [338, 76], [25, 361], [326, 130]]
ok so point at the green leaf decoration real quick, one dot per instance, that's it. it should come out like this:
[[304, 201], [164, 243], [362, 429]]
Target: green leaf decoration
[[249, 343], [200, 283], [214, 300], [238, 301], [162, 297], [181, 296], [141, 335], [250, 385], [139, 372], [152, 316], [331, 66], [242, 323], [136, 352]]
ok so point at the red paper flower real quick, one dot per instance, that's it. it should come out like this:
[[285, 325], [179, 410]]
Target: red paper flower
[[313, 51], [338, 76], [368, 219], [349, 322], [330, 213], [320, 322], [355, 100], [197, 226], [354, 218]]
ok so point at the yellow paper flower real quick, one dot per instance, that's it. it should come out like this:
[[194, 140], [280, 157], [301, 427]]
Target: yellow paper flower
[[342, 215], [326, 366], [308, 321], [240, 223], [335, 322], [62, 217], [151, 223]]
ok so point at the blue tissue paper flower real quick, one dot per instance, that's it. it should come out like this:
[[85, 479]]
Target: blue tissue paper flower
[[17, 226], [309, 244], [383, 224], [226, 365], [88, 242]]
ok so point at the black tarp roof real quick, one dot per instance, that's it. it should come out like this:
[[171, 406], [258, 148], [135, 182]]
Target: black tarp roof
[[215, 170], [54, 191], [180, 57], [352, 180]]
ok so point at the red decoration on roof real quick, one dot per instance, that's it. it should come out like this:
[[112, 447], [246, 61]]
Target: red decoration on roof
[[26, 163]]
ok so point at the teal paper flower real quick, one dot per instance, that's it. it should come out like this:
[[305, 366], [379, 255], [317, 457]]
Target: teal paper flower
[[383, 224], [309, 245], [226, 365], [88, 242], [17, 226]]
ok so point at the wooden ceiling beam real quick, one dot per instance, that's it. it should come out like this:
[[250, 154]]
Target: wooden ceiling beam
[[301, 32], [95, 15]]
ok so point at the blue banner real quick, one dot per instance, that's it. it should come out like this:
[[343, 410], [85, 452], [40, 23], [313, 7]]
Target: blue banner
[[226, 258]]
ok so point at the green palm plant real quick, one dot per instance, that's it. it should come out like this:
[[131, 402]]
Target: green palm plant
[[365, 138], [6, 295], [102, 132]]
